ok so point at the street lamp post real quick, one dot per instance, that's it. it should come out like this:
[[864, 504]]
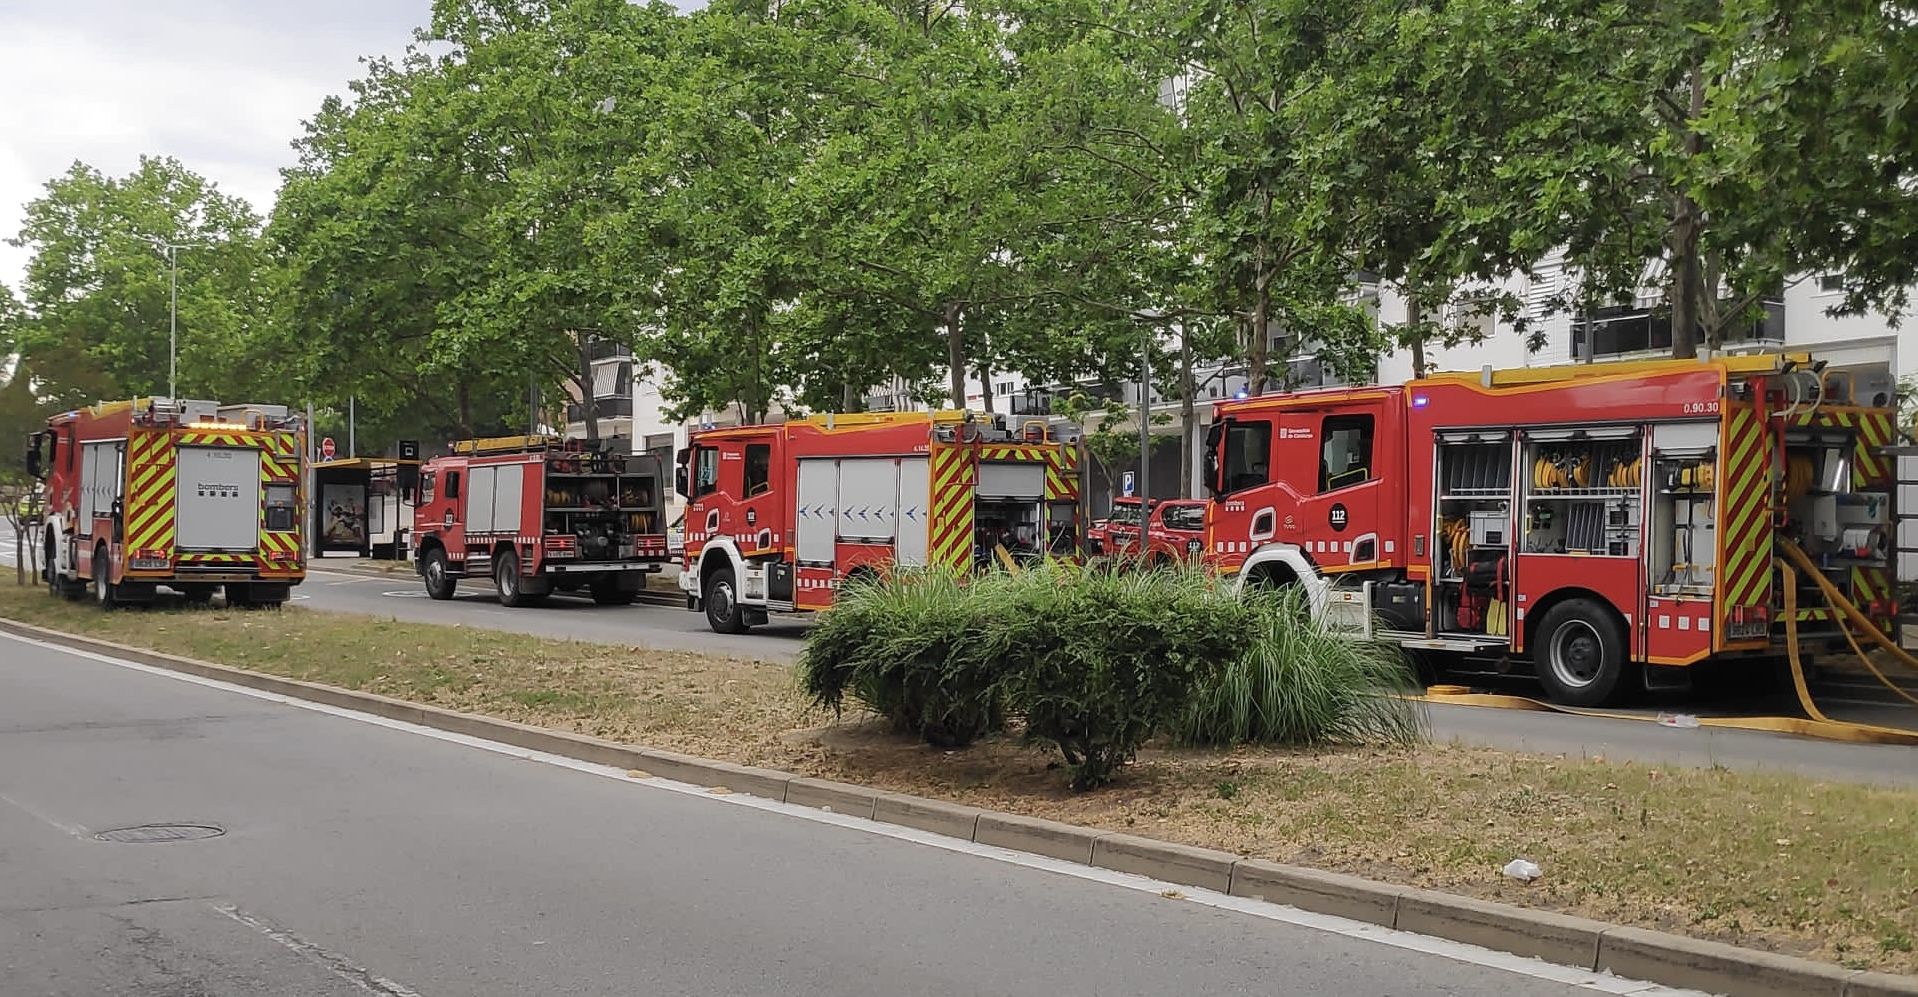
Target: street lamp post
[[172, 250], [1145, 446]]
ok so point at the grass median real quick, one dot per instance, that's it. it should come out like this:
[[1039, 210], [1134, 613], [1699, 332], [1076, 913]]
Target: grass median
[[1802, 866]]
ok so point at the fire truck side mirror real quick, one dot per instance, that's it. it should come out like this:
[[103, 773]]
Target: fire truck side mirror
[[681, 483], [36, 464], [1214, 467]]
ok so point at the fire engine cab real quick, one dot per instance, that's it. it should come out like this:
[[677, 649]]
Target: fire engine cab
[[779, 516], [1613, 524], [534, 515], [193, 495]]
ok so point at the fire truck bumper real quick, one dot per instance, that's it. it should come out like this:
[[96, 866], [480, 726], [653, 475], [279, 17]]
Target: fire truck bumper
[[582, 569]]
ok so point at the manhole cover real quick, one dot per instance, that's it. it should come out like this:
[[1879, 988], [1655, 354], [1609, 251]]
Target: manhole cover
[[147, 833]]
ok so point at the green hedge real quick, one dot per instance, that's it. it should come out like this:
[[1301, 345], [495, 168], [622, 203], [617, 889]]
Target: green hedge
[[1095, 663]]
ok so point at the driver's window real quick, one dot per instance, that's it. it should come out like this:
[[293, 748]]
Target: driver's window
[[759, 468], [708, 476], [1345, 457]]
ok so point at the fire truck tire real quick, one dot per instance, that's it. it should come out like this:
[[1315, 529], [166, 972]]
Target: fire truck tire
[[607, 591], [105, 594], [507, 583], [1580, 652], [723, 612], [440, 582]]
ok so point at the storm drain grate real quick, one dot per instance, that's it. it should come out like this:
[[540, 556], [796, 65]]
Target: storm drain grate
[[149, 833]]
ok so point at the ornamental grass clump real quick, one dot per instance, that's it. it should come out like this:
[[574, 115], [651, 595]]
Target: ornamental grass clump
[[903, 645], [1297, 681]]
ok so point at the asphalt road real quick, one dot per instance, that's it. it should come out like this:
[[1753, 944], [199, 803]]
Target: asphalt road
[[363, 859]]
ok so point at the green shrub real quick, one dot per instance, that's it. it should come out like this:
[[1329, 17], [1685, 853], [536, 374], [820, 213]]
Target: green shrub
[[1096, 662], [1294, 681], [904, 646], [1100, 661]]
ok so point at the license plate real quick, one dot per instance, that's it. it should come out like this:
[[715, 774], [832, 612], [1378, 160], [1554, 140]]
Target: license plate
[[1748, 631]]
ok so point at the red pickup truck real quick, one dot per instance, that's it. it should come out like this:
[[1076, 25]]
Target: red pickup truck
[[1176, 531]]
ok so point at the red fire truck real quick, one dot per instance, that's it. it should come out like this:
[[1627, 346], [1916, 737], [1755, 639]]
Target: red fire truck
[[1614, 524], [778, 516], [535, 515], [193, 495], [1176, 531]]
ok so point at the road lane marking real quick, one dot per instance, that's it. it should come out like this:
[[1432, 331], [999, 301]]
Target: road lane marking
[[1455, 951], [73, 829], [333, 962]]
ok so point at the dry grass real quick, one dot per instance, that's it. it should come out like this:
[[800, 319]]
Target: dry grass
[[1777, 862]]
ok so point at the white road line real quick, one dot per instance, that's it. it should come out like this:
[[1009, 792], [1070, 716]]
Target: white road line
[[331, 961], [1474, 955], [73, 829]]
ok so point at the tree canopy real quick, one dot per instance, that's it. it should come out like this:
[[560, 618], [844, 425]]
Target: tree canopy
[[784, 204]]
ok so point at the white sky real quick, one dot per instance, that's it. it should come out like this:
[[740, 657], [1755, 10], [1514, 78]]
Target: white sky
[[223, 85]]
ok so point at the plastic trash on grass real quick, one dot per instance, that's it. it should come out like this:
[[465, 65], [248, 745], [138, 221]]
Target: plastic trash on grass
[[1523, 870]]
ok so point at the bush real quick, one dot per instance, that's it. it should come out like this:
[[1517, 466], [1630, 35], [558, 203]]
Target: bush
[[1100, 661], [905, 647], [1294, 681], [1096, 662]]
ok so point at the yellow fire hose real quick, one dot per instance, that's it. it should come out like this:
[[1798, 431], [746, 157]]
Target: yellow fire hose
[[1818, 725]]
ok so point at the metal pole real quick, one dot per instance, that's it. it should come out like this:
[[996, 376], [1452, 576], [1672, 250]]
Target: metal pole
[[308, 501], [173, 322], [352, 418], [1145, 444]]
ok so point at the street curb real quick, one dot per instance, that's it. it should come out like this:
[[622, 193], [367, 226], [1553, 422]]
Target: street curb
[[1653, 956]]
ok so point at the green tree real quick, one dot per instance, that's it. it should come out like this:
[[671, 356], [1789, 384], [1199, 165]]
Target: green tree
[[96, 288]]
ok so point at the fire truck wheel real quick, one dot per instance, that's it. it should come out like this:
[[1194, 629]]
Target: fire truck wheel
[[723, 612], [105, 593], [506, 580], [608, 592], [1580, 653], [439, 580]]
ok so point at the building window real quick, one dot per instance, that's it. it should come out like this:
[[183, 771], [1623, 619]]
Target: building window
[[1345, 456], [1831, 283], [613, 379], [1622, 330]]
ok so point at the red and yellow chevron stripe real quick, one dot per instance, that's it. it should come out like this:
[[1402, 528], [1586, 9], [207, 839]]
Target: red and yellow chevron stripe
[[955, 478], [150, 488], [1744, 512]]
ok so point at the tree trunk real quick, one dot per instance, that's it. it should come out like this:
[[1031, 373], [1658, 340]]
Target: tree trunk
[[589, 405], [956, 352], [1261, 344], [1415, 315], [1188, 415], [849, 398], [465, 396], [985, 388], [1687, 222]]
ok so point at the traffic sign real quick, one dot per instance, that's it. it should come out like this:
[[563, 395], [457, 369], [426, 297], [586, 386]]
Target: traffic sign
[[327, 450], [1128, 482]]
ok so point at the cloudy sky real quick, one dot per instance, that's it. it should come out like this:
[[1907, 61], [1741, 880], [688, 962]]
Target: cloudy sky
[[221, 84]]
